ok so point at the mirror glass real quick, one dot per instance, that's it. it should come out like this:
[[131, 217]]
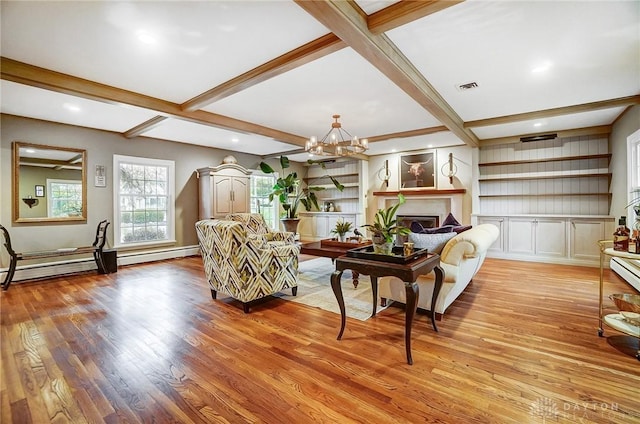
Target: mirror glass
[[49, 183]]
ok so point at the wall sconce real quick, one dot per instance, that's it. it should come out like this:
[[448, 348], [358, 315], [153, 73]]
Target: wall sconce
[[385, 177], [449, 169], [30, 201]]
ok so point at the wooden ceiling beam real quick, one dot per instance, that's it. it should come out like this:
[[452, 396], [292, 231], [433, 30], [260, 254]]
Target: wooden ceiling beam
[[144, 127], [405, 11], [309, 52], [406, 134], [558, 111], [22, 73], [577, 132], [345, 20]]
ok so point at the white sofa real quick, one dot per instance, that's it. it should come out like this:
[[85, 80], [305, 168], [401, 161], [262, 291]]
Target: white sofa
[[460, 259]]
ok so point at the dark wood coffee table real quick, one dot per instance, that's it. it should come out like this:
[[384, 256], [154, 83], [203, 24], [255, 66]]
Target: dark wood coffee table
[[333, 251], [408, 273]]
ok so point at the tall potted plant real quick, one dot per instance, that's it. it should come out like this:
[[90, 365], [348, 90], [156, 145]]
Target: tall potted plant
[[292, 193], [385, 226]]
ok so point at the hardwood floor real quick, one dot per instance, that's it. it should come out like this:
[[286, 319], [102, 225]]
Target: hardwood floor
[[148, 344]]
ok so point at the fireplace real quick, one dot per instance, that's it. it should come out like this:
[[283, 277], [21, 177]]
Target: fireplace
[[427, 221]]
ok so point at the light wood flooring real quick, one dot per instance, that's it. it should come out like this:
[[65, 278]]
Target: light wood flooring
[[148, 344]]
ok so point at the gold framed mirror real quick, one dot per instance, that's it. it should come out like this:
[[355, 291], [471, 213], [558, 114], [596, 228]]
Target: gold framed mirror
[[49, 183]]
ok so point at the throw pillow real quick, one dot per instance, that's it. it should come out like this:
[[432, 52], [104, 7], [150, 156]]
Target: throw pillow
[[450, 220], [416, 227], [433, 242]]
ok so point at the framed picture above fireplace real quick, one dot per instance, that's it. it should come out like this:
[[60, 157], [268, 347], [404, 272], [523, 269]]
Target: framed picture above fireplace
[[418, 170]]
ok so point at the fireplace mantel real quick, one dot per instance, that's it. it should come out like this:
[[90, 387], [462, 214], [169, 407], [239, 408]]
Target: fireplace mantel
[[439, 202], [425, 192]]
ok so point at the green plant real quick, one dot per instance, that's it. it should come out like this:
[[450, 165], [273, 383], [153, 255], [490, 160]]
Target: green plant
[[342, 227], [386, 225], [289, 189]]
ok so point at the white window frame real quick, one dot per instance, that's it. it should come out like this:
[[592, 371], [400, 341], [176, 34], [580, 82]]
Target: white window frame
[[275, 204], [633, 173], [133, 160]]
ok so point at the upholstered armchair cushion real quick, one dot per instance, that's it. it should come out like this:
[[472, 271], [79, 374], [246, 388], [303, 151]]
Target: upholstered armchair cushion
[[243, 265], [254, 224]]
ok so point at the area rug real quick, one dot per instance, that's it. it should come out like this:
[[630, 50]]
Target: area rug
[[314, 289]]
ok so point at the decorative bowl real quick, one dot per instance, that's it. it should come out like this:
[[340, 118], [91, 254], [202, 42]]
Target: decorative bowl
[[632, 318], [627, 302]]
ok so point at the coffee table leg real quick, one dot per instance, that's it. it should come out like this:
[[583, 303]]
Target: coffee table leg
[[337, 290], [436, 291], [413, 294], [356, 280], [374, 289]]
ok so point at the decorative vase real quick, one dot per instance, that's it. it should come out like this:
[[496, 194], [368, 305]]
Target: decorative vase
[[381, 245], [342, 238], [290, 224]]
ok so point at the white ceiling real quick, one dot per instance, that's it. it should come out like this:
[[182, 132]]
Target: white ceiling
[[591, 48]]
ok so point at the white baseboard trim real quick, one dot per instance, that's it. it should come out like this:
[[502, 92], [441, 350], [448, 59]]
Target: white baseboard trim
[[50, 269], [595, 263]]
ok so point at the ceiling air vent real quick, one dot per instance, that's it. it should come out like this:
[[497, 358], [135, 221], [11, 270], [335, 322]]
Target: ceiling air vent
[[467, 86], [538, 137]]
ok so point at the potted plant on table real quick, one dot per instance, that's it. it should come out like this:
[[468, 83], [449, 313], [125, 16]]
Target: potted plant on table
[[291, 193], [385, 227], [341, 229]]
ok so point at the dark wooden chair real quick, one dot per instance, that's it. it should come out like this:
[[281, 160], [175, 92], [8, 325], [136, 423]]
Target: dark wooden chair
[[96, 249]]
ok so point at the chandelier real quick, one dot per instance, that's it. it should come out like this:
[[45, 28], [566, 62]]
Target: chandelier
[[335, 140]]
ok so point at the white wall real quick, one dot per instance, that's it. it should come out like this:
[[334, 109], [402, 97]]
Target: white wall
[[101, 146], [624, 126]]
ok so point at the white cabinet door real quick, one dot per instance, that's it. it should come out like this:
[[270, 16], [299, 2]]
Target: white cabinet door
[[240, 197], [498, 245], [307, 227], [550, 237], [222, 186], [521, 235], [583, 238]]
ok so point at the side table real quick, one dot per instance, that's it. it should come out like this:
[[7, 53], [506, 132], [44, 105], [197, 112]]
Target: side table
[[614, 321], [408, 273]]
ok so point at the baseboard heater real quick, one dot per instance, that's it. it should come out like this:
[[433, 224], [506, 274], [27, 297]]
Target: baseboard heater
[[50, 269]]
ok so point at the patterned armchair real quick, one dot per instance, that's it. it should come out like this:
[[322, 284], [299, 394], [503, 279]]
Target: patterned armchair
[[254, 224], [243, 265]]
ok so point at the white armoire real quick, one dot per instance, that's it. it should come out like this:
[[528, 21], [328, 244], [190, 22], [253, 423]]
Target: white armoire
[[224, 189]]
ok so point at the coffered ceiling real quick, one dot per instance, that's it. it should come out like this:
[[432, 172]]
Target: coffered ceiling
[[262, 76]]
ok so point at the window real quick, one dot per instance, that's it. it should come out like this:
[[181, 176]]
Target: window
[[261, 186], [143, 201], [65, 198], [633, 167]]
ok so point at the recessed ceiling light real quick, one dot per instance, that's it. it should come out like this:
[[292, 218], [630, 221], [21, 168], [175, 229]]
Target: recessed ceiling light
[[146, 37], [71, 107], [30, 150], [430, 145], [538, 124], [393, 150], [234, 140], [543, 67]]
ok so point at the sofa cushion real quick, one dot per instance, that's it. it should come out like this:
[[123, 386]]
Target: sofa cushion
[[433, 242]]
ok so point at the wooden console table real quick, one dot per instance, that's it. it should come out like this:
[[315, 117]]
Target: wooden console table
[[408, 273]]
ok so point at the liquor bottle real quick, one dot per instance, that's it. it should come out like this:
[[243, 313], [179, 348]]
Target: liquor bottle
[[621, 236]]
